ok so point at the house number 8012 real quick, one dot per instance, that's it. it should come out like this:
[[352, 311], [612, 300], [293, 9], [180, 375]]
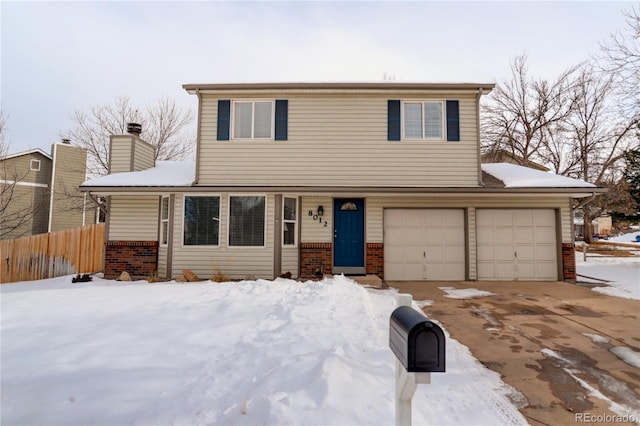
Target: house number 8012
[[318, 218]]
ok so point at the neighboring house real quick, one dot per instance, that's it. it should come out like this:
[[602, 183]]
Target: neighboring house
[[502, 156], [328, 178], [40, 191], [601, 225]]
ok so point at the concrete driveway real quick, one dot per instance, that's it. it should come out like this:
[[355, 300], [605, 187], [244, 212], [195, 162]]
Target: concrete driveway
[[553, 342]]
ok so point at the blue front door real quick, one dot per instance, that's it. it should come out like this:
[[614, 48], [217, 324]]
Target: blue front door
[[348, 236]]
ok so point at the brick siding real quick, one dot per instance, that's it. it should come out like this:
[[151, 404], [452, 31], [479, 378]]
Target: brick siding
[[568, 262], [138, 258], [375, 259], [315, 260]]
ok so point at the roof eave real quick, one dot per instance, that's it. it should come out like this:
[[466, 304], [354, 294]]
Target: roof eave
[[339, 86], [150, 190]]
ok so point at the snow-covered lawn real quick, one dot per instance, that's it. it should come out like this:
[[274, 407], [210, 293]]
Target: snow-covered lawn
[[253, 352], [622, 272]]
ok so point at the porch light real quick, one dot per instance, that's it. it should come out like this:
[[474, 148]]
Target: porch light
[[320, 210]]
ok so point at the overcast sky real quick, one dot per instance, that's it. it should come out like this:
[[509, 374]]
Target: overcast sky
[[58, 57]]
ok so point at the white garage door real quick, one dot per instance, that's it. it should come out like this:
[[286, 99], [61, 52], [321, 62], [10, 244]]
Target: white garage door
[[517, 244], [424, 244]]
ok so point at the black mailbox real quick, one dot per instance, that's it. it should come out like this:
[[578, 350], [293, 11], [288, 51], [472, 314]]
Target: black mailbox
[[417, 342]]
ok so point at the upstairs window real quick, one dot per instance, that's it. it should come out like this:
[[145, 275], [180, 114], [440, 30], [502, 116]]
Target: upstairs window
[[34, 165], [267, 120], [252, 120], [424, 120]]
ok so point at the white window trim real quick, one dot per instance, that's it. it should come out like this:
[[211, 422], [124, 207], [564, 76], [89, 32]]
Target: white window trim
[[266, 214], [443, 122], [31, 165], [163, 221], [294, 221], [232, 123], [184, 205]]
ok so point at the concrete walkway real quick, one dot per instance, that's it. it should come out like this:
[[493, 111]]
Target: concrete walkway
[[550, 341]]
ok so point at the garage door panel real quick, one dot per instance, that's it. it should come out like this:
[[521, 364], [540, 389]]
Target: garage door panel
[[503, 235], [412, 238], [503, 253], [523, 218], [525, 253], [454, 237], [524, 235], [544, 235], [547, 254], [413, 218], [432, 246]]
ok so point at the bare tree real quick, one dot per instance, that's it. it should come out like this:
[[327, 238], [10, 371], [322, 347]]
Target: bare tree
[[520, 112], [4, 144], [164, 126], [621, 57], [590, 143]]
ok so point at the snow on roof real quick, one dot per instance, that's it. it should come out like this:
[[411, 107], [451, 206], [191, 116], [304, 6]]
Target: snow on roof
[[182, 173], [515, 176], [165, 173]]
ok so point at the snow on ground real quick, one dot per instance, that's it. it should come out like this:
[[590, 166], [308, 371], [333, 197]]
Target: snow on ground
[[465, 293], [253, 352], [627, 238], [623, 272]]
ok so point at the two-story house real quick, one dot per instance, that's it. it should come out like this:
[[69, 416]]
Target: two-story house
[[39, 191], [324, 178]]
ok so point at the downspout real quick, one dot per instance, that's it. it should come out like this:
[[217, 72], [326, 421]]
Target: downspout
[[197, 178], [593, 196], [573, 237], [97, 202], [478, 95]]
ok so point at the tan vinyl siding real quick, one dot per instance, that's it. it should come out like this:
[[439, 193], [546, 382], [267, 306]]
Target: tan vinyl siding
[[133, 218], [67, 208], [129, 153], [27, 193], [120, 154], [143, 157], [27, 213], [312, 230], [18, 169], [232, 262], [339, 140], [162, 261]]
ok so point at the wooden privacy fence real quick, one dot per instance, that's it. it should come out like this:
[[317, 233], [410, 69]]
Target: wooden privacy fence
[[76, 250]]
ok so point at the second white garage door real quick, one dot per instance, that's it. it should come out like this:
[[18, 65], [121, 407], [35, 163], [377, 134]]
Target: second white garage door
[[424, 244], [517, 244]]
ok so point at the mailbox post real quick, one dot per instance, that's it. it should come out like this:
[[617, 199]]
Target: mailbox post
[[419, 346]]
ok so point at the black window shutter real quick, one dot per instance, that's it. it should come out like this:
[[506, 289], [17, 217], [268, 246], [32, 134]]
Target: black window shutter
[[393, 120], [453, 121], [224, 119], [282, 112]]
